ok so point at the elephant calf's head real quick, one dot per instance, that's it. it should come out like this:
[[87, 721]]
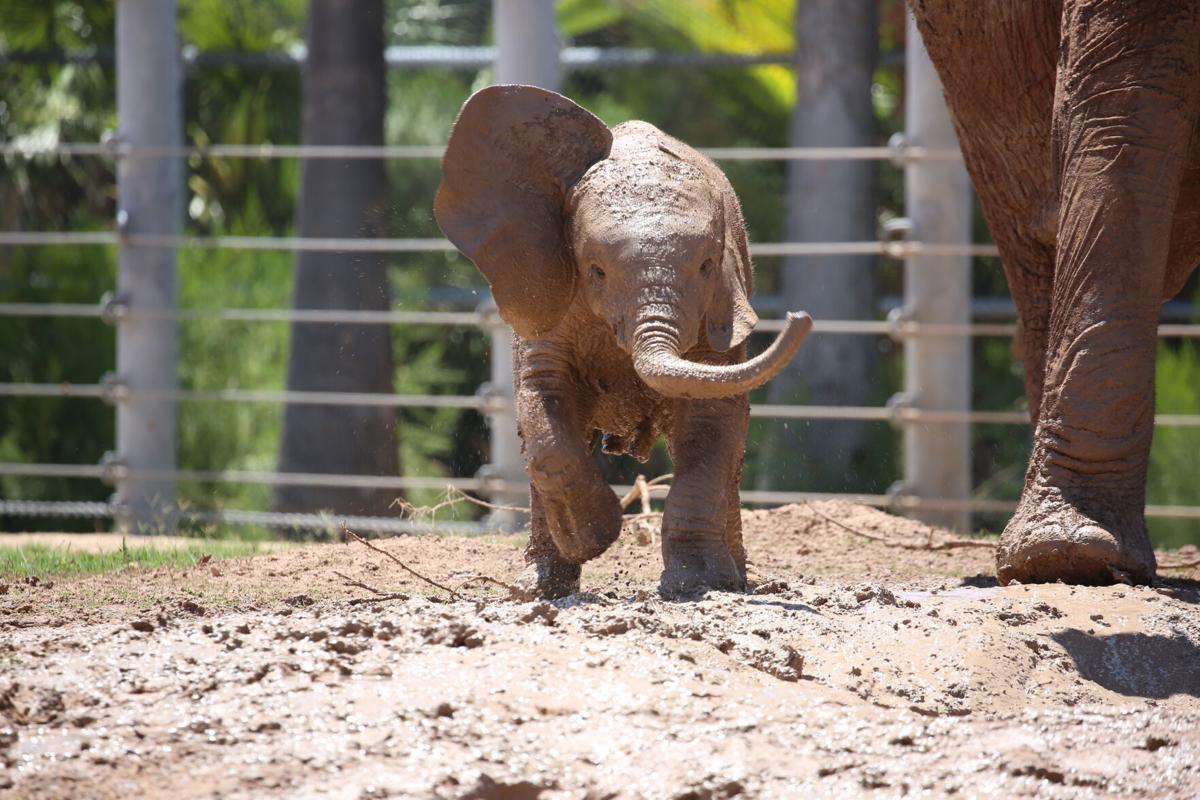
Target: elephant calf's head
[[538, 193]]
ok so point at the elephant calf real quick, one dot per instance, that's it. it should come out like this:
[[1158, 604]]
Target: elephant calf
[[619, 258]]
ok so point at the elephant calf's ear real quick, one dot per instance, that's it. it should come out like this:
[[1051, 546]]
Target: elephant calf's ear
[[513, 153], [730, 319]]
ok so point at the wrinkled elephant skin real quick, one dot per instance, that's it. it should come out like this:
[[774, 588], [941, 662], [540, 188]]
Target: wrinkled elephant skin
[[619, 257], [1078, 122]]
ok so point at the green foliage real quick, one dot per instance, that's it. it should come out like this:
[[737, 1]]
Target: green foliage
[[45, 561], [1173, 456]]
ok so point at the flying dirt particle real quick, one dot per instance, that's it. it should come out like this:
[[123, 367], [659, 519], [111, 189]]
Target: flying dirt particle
[[143, 625]]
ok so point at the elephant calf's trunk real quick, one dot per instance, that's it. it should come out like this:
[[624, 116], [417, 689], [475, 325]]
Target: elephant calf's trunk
[[658, 362]]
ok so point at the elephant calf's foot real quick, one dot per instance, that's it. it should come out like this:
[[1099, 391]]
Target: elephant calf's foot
[[551, 577], [582, 513], [1049, 539], [690, 571]]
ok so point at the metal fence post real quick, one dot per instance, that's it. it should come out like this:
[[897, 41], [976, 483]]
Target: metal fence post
[[149, 189], [937, 370], [526, 52]]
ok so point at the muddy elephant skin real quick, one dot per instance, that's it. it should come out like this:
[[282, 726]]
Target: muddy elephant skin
[[619, 258], [1078, 120]]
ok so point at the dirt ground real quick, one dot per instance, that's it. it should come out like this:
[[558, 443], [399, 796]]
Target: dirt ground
[[879, 662]]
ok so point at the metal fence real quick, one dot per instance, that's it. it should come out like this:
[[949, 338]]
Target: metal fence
[[933, 325]]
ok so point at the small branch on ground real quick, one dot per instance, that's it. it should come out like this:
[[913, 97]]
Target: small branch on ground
[[360, 584], [352, 535], [514, 592], [358, 601], [949, 544]]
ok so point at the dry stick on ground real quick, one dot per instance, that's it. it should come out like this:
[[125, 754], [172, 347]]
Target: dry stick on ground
[[514, 592], [360, 584], [452, 497], [358, 601], [351, 534], [947, 545]]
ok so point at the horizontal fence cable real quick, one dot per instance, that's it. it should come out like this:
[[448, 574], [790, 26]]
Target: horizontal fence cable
[[116, 149], [898, 502], [117, 392], [423, 57], [363, 245], [331, 522], [898, 330], [328, 316], [264, 519], [492, 403]]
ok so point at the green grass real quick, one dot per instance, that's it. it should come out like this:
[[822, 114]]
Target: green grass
[[43, 561]]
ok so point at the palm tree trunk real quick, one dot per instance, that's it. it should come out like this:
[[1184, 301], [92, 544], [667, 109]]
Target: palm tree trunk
[[836, 49], [343, 101]]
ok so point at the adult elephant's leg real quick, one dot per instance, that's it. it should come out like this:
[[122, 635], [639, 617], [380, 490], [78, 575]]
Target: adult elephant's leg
[[701, 551], [575, 515], [1125, 108], [1002, 115]]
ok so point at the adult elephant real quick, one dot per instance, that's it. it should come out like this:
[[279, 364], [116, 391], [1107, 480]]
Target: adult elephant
[[1078, 123]]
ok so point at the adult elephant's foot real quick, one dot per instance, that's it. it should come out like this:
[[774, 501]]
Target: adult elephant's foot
[[551, 577], [1050, 539], [692, 568], [583, 514]]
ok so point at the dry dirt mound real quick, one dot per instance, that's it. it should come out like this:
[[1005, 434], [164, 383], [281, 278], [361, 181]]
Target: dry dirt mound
[[866, 663]]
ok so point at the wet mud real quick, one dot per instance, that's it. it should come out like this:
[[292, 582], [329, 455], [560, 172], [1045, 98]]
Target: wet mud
[[874, 665]]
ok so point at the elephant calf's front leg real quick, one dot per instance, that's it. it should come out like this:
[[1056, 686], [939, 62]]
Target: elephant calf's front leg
[[701, 534], [576, 516]]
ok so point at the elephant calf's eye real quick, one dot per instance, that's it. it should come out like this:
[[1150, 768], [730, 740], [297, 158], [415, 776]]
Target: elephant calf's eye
[[595, 273], [706, 267]]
